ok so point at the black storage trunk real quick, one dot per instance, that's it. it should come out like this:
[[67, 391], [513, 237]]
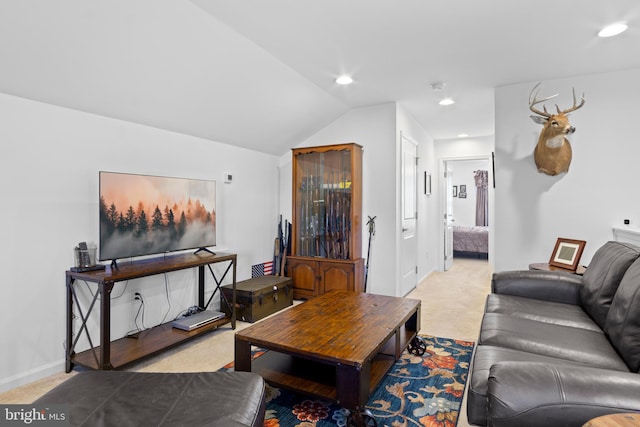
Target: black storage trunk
[[259, 297]]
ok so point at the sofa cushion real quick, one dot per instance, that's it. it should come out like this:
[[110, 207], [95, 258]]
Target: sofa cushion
[[540, 394], [602, 278], [623, 321], [562, 342], [542, 311], [484, 358]]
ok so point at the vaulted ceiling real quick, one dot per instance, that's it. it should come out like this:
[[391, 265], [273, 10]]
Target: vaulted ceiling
[[261, 74]]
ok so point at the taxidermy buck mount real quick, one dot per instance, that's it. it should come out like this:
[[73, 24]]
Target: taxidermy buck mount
[[553, 151]]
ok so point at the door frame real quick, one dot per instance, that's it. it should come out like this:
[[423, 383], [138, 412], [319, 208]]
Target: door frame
[[447, 252], [412, 233], [442, 204], [407, 239]]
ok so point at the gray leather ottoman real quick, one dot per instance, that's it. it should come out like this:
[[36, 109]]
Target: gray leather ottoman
[[115, 398]]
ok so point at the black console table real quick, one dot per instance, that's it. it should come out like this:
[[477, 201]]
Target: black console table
[[116, 354]]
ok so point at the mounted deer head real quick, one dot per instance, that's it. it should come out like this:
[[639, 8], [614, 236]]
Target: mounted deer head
[[553, 151]]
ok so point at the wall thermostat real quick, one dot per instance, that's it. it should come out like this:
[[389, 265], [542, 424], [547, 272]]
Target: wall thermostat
[[228, 178]]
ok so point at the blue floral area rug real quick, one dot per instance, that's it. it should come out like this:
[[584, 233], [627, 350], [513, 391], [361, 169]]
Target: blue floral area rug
[[422, 390]]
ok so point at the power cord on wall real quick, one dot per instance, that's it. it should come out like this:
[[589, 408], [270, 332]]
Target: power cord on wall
[[166, 291], [138, 297], [74, 317], [136, 332], [141, 308]]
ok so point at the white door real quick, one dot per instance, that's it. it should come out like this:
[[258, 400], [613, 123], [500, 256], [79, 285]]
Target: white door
[[448, 220], [409, 241]]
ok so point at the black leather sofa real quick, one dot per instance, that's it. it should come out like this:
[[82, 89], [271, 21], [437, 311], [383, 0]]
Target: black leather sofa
[[557, 349], [119, 399]]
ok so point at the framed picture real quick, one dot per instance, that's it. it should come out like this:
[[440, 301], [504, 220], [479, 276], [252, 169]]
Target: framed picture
[[427, 183], [462, 195], [567, 253], [463, 188], [493, 167], [455, 191]]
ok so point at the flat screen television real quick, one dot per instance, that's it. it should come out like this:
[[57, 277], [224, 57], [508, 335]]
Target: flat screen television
[[144, 215]]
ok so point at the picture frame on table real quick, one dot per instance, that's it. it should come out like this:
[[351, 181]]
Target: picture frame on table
[[566, 253]]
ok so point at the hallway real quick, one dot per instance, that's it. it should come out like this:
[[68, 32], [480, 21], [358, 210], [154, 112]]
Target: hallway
[[453, 301]]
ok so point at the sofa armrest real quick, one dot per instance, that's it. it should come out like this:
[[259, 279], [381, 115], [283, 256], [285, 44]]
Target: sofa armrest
[[544, 285], [542, 394]]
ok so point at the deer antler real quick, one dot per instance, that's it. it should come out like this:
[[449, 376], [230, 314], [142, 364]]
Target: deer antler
[[533, 101], [575, 104]]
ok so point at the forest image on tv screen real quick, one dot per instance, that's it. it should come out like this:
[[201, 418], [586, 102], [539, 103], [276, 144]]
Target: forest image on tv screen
[[143, 215]]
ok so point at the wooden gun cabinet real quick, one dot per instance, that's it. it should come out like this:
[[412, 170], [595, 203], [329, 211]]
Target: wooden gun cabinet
[[326, 240]]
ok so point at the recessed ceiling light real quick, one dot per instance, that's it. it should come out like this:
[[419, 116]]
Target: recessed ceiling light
[[447, 101], [344, 80], [613, 30], [463, 135]]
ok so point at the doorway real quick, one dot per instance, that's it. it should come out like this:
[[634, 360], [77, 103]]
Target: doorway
[[460, 209]]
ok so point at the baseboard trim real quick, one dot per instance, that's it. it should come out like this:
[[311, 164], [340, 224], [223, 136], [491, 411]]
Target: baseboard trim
[[32, 375]]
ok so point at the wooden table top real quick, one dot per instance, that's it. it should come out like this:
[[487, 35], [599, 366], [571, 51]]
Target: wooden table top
[[338, 326], [615, 420], [545, 266]]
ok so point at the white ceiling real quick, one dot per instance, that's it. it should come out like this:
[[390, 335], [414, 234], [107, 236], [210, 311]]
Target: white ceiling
[[260, 74]]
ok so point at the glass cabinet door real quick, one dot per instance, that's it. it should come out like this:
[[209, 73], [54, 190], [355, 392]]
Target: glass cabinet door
[[323, 204]]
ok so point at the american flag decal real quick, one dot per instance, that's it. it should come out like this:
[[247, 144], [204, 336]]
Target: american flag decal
[[263, 269]]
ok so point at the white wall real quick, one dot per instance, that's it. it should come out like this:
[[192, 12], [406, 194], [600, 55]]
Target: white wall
[[598, 192], [377, 129], [464, 148], [49, 172]]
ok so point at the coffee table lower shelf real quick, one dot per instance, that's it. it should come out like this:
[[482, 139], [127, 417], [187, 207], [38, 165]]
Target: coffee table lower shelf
[[312, 377]]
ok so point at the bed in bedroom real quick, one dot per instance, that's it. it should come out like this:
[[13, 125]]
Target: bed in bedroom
[[471, 241]]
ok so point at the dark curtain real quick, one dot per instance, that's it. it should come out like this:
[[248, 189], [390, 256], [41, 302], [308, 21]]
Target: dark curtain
[[482, 205]]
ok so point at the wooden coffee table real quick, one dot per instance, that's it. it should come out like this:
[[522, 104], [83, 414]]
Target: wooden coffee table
[[615, 420], [337, 346]]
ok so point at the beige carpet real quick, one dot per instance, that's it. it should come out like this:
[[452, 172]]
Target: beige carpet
[[452, 305]]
